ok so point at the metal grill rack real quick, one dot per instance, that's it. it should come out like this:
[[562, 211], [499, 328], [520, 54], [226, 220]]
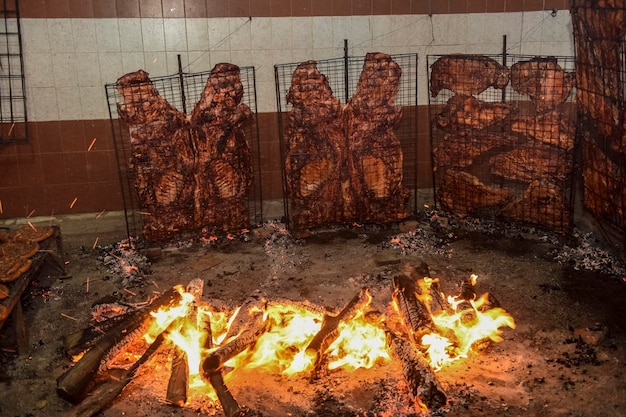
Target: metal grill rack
[[13, 126], [343, 75], [182, 91], [600, 37], [503, 137]]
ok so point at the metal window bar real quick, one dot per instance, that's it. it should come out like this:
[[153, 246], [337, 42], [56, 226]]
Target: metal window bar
[[13, 114], [503, 153], [343, 75], [181, 90]]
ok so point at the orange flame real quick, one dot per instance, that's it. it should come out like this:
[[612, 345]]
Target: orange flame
[[461, 326]]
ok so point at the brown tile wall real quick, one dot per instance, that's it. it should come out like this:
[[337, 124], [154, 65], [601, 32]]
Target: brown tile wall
[[45, 175], [271, 8]]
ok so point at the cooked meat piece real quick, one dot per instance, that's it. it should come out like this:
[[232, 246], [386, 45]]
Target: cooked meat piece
[[462, 193], [467, 74], [462, 112], [553, 128], [460, 149], [529, 163], [543, 80]]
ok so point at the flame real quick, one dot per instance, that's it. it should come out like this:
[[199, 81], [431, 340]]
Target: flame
[[360, 343], [461, 326]]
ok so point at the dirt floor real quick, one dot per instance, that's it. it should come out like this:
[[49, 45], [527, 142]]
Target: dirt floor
[[566, 356]]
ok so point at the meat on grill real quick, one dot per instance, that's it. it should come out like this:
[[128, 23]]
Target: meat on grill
[[315, 149], [160, 156], [463, 112], [543, 80], [463, 194], [374, 154], [460, 149], [552, 127], [604, 185], [224, 167], [344, 164], [467, 74], [544, 202], [532, 162], [189, 173]]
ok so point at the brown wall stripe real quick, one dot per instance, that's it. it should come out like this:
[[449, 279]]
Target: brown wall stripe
[[271, 8]]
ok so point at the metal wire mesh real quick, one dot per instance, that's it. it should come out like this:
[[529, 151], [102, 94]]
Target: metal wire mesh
[[13, 115], [600, 33], [324, 142], [176, 95], [503, 137]]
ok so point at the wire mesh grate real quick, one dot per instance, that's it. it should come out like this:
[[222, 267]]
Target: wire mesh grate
[[348, 131], [503, 137], [188, 151], [599, 33]]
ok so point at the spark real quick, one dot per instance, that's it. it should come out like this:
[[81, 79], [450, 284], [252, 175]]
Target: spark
[[73, 202], [93, 142]]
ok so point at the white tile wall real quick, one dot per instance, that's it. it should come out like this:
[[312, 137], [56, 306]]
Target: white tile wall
[[70, 60]]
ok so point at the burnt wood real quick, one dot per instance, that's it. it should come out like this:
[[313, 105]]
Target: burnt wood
[[421, 380], [415, 315], [105, 393], [76, 381], [329, 331]]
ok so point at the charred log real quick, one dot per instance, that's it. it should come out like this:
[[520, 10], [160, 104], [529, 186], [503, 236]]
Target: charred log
[[105, 393], [74, 383], [178, 382], [329, 330], [420, 378], [415, 315]]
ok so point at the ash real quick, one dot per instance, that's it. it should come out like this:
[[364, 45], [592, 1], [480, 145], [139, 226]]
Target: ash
[[439, 229], [588, 255], [123, 261]]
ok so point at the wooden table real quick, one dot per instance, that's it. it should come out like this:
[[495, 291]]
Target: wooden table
[[50, 254]]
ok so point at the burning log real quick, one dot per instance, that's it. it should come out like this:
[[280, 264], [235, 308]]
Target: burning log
[[109, 390], [229, 404], [216, 359], [178, 383], [75, 382], [329, 331], [179, 379], [414, 313], [420, 378]]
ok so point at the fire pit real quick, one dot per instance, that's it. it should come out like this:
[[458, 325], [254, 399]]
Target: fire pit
[[567, 347]]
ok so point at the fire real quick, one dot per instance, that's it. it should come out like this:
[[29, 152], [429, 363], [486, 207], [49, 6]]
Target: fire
[[361, 342], [461, 326], [288, 329]]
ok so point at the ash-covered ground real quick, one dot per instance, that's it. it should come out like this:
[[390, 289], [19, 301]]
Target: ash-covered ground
[[566, 356]]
